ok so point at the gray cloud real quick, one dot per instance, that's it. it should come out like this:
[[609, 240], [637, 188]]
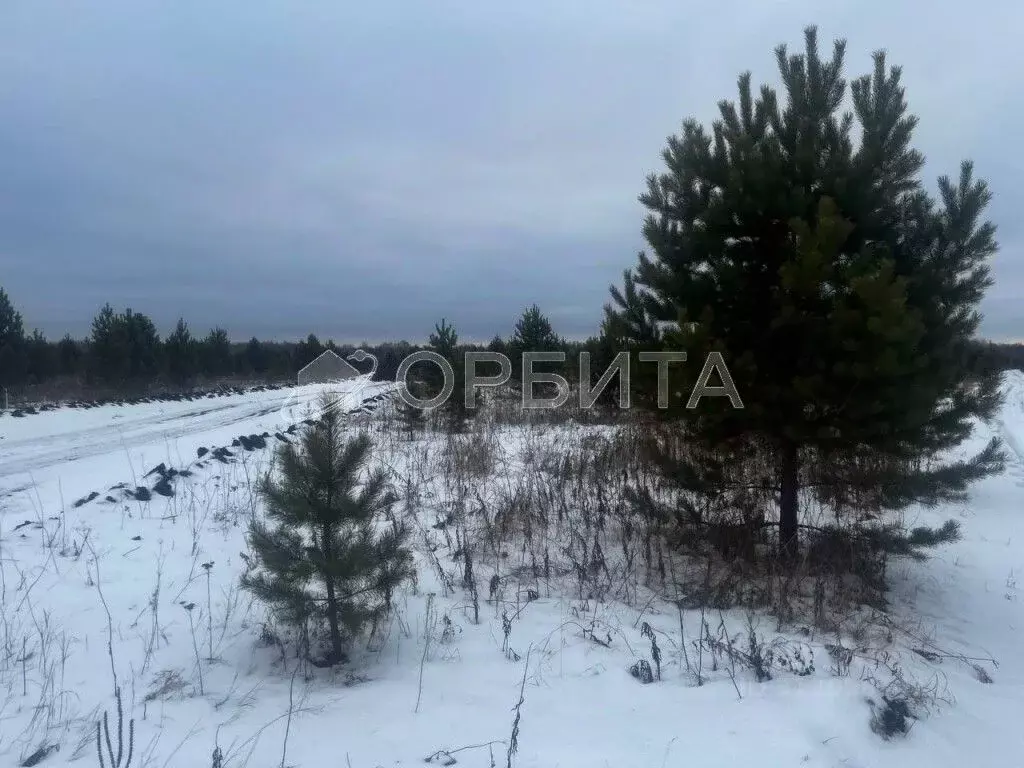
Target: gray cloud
[[281, 168]]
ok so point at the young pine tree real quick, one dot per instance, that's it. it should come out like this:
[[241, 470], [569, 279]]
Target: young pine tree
[[215, 353], [797, 240], [181, 354], [331, 553], [533, 333], [69, 355], [445, 341], [410, 417], [41, 356]]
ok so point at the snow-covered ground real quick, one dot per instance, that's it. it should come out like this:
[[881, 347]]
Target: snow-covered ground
[[97, 591]]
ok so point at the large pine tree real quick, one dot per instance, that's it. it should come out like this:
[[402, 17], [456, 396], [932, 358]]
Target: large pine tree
[[331, 553], [124, 346], [796, 239], [13, 361]]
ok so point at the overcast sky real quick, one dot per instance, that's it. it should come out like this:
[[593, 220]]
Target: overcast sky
[[359, 170]]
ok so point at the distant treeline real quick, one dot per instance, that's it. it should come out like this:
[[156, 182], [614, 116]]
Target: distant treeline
[[124, 354], [1003, 356]]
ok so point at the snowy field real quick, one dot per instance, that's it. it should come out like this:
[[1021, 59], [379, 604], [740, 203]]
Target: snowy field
[[107, 517]]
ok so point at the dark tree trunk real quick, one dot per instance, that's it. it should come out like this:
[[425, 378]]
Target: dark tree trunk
[[789, 517], [337, 652]]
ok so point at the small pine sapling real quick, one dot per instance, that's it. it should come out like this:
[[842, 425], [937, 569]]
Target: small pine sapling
[[325, 555]]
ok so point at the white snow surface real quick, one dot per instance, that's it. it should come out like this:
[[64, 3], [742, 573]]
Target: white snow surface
[[580, 709]]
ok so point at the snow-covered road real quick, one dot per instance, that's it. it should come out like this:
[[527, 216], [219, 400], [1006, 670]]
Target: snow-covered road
[[98, 445]]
